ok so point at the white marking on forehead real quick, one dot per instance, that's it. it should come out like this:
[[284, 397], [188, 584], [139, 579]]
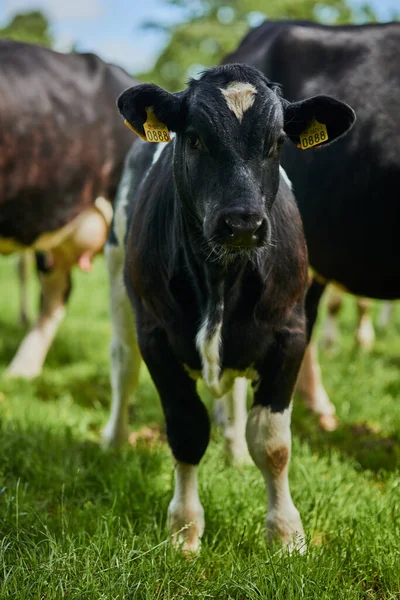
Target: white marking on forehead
[[284, 175], [239, 97]]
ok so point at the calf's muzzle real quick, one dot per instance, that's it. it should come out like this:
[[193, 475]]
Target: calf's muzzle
[[241, 229]]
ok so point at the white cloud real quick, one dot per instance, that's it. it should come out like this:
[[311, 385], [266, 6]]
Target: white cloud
[[58, 10]]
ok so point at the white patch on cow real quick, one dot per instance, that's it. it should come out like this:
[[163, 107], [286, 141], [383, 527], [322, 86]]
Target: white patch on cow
[[285, 177], [269, 441], [239, 97], [309, 384], [157, 153], [121, 202], [185, 512], [209, 345]]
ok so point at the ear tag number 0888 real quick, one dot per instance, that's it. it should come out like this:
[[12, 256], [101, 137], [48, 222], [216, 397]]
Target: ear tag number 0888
[[315, 134], [155, 130]]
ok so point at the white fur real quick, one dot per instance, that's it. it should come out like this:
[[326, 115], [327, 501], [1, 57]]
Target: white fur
[[209, 349], [185, 512], [386, 314], [234, 422], [284, 176], [268, 438], [160, 147], [239, 97]]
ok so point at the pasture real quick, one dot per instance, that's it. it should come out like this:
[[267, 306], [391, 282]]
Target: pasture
[[77, 522]]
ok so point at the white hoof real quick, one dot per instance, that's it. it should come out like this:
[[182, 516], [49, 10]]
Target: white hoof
[[187, 527], [286, 529]]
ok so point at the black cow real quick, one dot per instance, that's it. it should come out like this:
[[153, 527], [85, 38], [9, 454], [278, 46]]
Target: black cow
[[348, 196], [62, 147], [215, 269]]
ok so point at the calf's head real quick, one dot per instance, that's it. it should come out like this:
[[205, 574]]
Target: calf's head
[[230, 125]]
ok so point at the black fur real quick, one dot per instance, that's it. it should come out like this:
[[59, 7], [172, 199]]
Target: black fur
[[348, 195]]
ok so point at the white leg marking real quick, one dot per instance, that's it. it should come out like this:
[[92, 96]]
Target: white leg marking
[[31, 354], [309, 383], [239, 97], [185, 508], [330, 333], [125, 354], [234, 421], [365, 334], [385, 315], [269, 441], [209, 346]]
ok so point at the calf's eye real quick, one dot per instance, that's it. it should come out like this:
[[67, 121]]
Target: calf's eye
[[280, 141], [193, 141], [276, 146]]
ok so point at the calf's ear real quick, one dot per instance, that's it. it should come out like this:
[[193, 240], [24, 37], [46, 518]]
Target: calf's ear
[[133, 102], [336, 116]]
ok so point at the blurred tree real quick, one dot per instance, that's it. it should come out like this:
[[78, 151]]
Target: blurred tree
[[31, 27], [214, 27]]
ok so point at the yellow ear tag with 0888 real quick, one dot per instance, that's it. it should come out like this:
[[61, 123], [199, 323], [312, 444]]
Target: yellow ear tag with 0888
[[155, 130], [315, 134]]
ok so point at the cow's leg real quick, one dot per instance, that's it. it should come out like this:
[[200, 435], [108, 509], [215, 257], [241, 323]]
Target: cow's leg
[[24, 264], [330, 334], [310, 385], [125, 355], [365, 334], [188, 432], [234, 422], [309, 381], [385, 314], [269, 438], [55, 284]]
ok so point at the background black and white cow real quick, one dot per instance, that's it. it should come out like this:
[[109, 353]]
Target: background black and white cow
[[62, 147], [215, 269], [348, 196]]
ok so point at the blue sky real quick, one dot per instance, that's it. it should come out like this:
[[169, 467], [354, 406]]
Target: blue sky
[[112, 28]]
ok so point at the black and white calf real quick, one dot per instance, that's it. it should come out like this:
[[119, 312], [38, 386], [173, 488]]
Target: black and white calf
[[215, 269]]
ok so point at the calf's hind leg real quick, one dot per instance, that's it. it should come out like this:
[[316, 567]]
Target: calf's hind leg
[[269, 438], [125, 354], [188, 432], [233, 409]]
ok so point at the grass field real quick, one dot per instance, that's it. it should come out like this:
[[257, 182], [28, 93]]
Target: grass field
[[77, 522]]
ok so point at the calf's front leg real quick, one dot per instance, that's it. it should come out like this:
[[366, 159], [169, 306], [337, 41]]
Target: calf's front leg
[[269, 438], [188, 432]]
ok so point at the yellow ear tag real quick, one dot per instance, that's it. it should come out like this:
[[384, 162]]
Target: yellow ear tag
[[129, 126], [155, 130], [315, 134]]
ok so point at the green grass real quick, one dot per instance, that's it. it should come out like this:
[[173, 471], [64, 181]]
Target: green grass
[[80, 523]]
